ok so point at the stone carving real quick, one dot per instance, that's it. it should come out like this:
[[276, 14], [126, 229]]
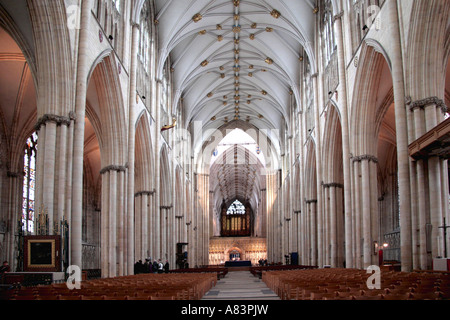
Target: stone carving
[[426, 102]]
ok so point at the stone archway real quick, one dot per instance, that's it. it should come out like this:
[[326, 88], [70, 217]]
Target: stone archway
[[238, 252]]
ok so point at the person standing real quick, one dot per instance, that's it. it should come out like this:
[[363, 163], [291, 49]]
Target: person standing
[[155, 266], [166, 267], [160, 266]]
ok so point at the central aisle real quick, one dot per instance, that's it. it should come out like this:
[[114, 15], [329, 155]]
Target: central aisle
[[240, 285]]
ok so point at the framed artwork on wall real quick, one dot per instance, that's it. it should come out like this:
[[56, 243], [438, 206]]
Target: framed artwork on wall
[[42, 254]]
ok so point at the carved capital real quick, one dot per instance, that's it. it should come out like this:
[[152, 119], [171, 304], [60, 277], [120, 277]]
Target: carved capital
[[113, 168], [333, 185], [426, 102], [364, 157], [59, 120], [144, 193]]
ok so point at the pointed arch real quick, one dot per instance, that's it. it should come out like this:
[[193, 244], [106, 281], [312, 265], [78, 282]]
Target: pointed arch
[[165, 187], [144, 155], [109, 107], [373, 66], [428, 49]]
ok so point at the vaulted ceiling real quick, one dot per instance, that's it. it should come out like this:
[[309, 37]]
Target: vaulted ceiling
[[236, 59], [237, 174]]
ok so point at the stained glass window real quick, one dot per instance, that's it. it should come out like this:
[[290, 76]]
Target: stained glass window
[[236, 220], [236, 208], [29, 184]]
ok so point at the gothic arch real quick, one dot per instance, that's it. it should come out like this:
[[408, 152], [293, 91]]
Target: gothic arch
[[332, 150], [212, 140], [310, 248], [367, 105], [53, 57], [375, 164], [107, 102], [333, 188], [144, 155], [144, 190], [105, 112], [18, 117], [166, 210], [428, 49], [310, 171], [165, 181], [179, 205]]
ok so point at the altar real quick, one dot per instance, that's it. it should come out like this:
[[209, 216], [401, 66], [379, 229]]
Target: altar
[[238, 263]]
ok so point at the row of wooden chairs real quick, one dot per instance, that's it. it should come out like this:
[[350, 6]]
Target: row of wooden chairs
[[351, 284], [257, 271], [220, 271], [191, 286]]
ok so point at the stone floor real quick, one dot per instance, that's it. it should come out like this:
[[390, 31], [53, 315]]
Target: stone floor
[[240, 285]]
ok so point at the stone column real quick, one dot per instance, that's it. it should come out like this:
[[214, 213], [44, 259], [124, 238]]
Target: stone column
[[357, 212], [422, 209], [112, 253], [144, 226], [345, 139], [69, 165], [366, 216], [121, 226], [333, 226], [375, 218], [104, 222], [308, 233], [112, 212], [314, 234], [435, 185], [15, 191], [432, 200], [402, 137], [131, 149], [78, 147], [163, 228], [320, 231], [138, 225], [62, 170], [40, 129], [51, 162], [326, 224], [151, 223]]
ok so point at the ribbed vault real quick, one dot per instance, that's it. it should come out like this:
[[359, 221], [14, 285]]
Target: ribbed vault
[[237, 174], [234, 60]]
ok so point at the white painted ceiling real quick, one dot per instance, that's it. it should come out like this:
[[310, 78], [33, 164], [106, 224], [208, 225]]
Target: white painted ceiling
[[235, 61], [223, 35]]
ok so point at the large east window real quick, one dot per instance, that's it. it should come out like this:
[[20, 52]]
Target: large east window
[[236, 220]]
